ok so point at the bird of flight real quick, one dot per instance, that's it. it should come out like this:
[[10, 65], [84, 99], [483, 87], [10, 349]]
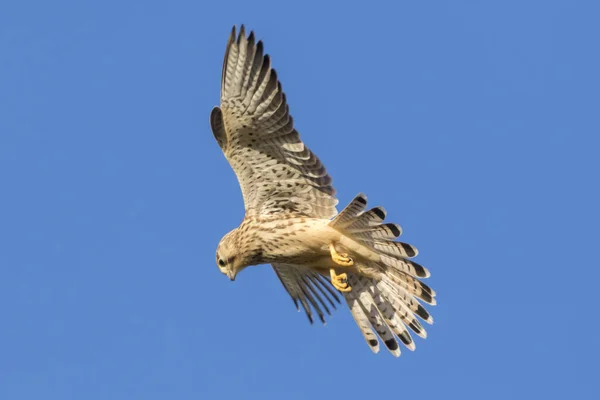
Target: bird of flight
[[291, 221]]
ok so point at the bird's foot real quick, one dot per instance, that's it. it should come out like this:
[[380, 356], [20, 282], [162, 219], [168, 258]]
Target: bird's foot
[[340, 259], [340, 282]]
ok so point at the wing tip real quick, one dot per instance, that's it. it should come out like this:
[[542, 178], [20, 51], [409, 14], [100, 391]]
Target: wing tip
[[234, 36]]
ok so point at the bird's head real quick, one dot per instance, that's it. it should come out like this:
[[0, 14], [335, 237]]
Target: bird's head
[[230, 258]]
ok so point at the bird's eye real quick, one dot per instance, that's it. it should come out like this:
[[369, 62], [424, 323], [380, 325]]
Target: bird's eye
[[221, 262]]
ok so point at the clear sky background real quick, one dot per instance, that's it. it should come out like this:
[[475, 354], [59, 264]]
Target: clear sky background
[[475, 123]]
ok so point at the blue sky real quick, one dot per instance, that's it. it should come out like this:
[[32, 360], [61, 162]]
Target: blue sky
[[474, 123]]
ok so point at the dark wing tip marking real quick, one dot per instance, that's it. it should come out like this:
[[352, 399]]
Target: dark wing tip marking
[[242, 33], [230, 41], [295, 303], [373, 343], [274, 78]]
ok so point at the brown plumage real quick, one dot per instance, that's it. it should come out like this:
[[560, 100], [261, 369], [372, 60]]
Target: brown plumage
[[289, 202]]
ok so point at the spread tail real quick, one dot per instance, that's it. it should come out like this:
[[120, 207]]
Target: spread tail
[[386, 301]]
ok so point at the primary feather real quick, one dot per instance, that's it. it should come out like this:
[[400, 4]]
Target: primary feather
[[277, 172]]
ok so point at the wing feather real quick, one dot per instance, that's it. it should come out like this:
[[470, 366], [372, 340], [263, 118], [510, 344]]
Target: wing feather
[[307, 287], [253, 126]]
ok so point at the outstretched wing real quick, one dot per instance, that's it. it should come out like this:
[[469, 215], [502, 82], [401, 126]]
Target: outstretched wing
[[275, 170], [307, 288]]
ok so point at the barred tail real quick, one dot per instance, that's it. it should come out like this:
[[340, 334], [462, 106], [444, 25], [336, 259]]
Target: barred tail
[[386, 301]]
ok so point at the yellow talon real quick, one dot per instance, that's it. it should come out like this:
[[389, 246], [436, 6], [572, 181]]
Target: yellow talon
[[340, 282], [340, 259]]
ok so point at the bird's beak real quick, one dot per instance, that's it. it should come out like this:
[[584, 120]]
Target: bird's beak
[[231, 275]]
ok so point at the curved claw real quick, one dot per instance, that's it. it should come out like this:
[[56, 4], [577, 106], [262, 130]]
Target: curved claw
[[340, 282], [342, 260]]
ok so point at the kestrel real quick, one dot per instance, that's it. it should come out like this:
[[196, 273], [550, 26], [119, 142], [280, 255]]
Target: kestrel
[[291, 221]]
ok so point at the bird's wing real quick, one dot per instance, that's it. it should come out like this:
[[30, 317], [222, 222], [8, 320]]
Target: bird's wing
[[307, 288], [275, 170]]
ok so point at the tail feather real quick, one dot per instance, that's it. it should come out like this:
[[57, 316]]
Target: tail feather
[[372, 311], [406, 266], [407, 316], [392, 317], [361, 319], [395, 249], [369, 218], [378, 232], [386, 289], [407, 299], [413, 285], [348, 215]]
